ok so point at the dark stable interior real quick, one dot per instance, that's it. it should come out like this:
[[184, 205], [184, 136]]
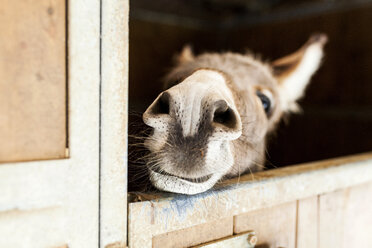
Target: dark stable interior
[[337, 108]]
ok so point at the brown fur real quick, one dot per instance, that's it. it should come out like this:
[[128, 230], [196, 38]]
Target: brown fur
[[242, 77]]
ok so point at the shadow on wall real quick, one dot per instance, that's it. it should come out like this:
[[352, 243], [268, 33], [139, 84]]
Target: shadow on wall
[[338, 104]]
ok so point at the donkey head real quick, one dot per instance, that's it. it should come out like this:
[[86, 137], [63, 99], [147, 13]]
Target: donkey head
[[212, 121]]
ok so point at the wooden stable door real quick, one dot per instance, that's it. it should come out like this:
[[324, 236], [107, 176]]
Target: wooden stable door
[[54, 52], [33, 77]]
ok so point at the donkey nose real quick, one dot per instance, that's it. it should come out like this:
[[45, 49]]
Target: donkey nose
[[216, 113]]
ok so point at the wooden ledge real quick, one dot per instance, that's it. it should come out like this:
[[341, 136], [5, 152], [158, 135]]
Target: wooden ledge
[[160, 213]]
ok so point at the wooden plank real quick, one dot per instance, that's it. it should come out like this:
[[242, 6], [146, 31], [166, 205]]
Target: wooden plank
[[33, 80], [140, 219], [195, 235], [33, 228], [171, 212], [358, 225], [69, 185], [34, 185], [114, 114], [274, 227], [345, 218], [307, 223], [331, 218], [82, 201], [244, 240]]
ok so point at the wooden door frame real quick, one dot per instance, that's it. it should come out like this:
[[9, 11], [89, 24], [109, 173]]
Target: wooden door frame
[[80, 200], [113, 123]]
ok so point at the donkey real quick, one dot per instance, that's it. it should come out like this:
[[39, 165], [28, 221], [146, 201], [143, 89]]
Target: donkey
[[212, 121]]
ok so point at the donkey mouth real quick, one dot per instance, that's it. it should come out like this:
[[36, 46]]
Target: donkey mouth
[[182, 185], [190, 179]]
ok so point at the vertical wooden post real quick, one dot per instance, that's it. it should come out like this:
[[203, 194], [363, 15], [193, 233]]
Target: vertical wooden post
[[113, 123]]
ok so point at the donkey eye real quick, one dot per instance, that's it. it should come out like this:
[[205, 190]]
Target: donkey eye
[[266, 103]]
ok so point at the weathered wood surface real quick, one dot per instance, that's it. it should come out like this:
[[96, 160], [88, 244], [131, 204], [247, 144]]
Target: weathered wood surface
[[195, 235], [32, 80], [274, 226], [70, 186], [269, 188], [114, 109], [307, 223], [243, 240], [33, 228], [345, 218]]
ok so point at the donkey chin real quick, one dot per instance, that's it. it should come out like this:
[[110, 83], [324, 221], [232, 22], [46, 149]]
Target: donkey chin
[[213, 123]]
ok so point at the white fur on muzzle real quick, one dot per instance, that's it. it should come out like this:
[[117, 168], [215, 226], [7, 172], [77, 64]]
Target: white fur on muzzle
[[178, 185]]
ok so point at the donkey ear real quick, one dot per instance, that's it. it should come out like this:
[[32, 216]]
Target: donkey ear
[[294, 71], [186, 55]]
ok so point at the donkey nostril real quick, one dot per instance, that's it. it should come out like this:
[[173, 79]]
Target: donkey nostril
[[161, 106], [224, 115]]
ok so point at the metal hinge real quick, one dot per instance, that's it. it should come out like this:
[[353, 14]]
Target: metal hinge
[[243, 240]]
